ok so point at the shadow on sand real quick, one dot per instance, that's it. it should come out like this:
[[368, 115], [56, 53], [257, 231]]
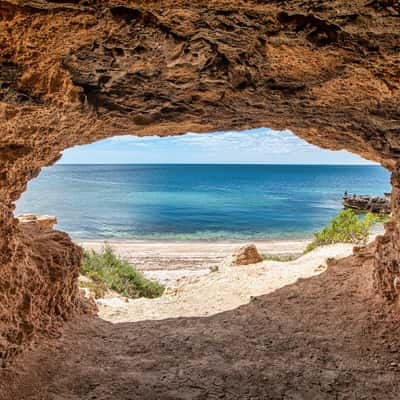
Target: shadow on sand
[[325, 337]]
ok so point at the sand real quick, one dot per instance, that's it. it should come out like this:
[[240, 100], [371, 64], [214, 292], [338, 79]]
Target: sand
[[152, 255], [222, 290], [326, 336], [201, 280], [171, 261]]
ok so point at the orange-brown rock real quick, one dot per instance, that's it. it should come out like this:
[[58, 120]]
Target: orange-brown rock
[[247, 254], [75, 72], [39, 290]]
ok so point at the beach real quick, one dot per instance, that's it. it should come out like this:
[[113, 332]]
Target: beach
[[225, 288], [170, 261], [192, 255]]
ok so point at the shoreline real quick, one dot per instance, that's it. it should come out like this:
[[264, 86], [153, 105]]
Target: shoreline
[[194, 248], [172, 261], [195, 241], [277, 242], [227, 241]]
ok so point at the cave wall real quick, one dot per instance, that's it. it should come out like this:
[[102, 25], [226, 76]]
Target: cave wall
[[76, 72], [387, 251]]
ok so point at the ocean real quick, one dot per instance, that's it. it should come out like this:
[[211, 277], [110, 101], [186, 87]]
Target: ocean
[[196, 202]]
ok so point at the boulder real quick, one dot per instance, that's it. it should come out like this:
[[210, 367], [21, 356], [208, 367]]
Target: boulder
[[247, 254]]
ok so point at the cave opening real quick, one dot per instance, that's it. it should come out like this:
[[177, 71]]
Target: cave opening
[[192, 186], [227, 188]]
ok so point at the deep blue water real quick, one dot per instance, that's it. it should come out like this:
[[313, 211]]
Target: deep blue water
[[196, 201]]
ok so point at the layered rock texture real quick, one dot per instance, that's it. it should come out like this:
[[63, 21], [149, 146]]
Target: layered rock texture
[[75, 72]]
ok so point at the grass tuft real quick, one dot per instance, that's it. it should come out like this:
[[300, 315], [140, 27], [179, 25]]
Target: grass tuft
[[98, 289], [108, 271], [281, 257]]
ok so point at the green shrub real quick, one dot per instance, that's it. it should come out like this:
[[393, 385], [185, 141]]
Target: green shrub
[[106, 268], [346, 227]]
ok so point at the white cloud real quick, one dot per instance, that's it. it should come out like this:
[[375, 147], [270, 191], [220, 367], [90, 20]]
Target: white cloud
[[260, 141], [261, 145]]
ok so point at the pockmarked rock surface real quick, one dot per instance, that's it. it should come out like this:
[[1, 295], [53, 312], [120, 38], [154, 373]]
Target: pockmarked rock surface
[[75, 72]]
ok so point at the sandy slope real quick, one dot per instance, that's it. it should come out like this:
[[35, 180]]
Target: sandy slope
[[223, 290], [294, 331], [326, 337]]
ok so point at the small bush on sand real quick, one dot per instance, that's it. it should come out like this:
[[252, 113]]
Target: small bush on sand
[[109, 270], [346, 227]]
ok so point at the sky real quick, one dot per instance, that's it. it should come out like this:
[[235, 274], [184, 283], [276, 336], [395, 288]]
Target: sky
[[262, 145]]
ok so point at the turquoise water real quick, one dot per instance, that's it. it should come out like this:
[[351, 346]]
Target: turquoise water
[[196, 201]]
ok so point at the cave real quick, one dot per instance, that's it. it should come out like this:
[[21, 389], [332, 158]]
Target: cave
[[76, 72]]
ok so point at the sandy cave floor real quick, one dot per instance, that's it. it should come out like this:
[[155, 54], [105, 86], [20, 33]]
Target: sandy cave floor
[[322, 337]]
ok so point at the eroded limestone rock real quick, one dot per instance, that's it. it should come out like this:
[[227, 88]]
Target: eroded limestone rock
[[76, 72], [366, 203], [39, 290]]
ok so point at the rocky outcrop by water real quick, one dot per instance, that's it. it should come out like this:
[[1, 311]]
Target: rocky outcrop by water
[[75, 72], [44, 221], [364, 203]]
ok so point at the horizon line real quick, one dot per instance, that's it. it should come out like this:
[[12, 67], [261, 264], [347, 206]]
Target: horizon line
[[368, 164]]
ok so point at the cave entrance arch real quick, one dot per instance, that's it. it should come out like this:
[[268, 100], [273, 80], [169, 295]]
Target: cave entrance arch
[[62, 264], [75, 73], [142, 201]]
